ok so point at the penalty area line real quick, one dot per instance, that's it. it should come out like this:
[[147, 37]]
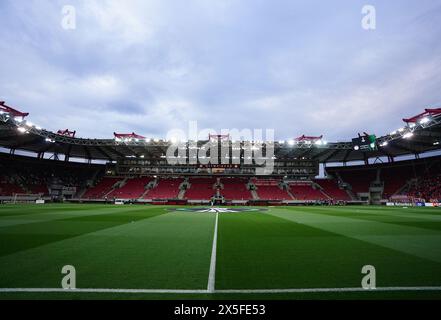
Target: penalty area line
[[226, 291]]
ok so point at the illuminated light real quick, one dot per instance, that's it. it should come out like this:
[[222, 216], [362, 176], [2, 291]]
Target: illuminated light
[[21, 129], [319, 142], [18, 119], [29, 124], [411, 125], [385, 143], [356, 148], [424, 120], [436, 143], [38, 128], [136, 140], [142, 156], [291, 142], [325, 142], [393, 132], [401, 130], [407, 135], [281, 142]]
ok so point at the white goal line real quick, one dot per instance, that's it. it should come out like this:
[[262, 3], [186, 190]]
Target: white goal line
[[225, 291]]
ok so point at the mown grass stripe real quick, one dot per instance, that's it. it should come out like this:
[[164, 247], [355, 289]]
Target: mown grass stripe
[[26, 236]]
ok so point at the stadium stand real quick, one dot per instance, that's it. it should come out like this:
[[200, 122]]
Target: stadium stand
[[119, 168], [22, 174], [269, 189], [331, 189], [427, 187], [101, 189], [201, 189], [134, 188], [306, 192], [393, 176], [167, 188], [8, 189], [235, 189]]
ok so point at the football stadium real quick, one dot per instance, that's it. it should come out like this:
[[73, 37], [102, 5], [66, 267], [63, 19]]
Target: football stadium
[[142, 226], [226, 151]]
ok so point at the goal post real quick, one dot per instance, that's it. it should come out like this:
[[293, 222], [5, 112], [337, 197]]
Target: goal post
[[27, 198]]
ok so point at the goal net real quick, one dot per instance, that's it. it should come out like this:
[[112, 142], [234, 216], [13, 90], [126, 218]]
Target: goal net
[[27, 198]]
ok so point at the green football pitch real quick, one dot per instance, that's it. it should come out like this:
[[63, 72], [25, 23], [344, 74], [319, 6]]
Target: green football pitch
[[156, 252]]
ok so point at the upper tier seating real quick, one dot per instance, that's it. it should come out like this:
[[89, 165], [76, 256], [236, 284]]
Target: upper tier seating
[[200, 189]]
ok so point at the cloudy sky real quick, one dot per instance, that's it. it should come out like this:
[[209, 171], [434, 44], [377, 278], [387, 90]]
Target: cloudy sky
[[299, 67]]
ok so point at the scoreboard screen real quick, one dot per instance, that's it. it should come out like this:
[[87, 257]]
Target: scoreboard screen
[[365, 143]]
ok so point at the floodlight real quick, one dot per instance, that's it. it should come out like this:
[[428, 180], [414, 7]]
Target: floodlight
[[424, 120], [407, 135]]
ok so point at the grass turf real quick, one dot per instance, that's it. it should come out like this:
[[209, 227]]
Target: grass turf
[[151, 247]]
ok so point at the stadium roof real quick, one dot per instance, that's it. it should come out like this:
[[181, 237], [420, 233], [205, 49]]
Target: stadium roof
[[421, 134]]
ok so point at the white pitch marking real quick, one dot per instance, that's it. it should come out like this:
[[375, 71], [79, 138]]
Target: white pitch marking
[[318, 290], [227, 291], [91, 290], [212, 275]]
